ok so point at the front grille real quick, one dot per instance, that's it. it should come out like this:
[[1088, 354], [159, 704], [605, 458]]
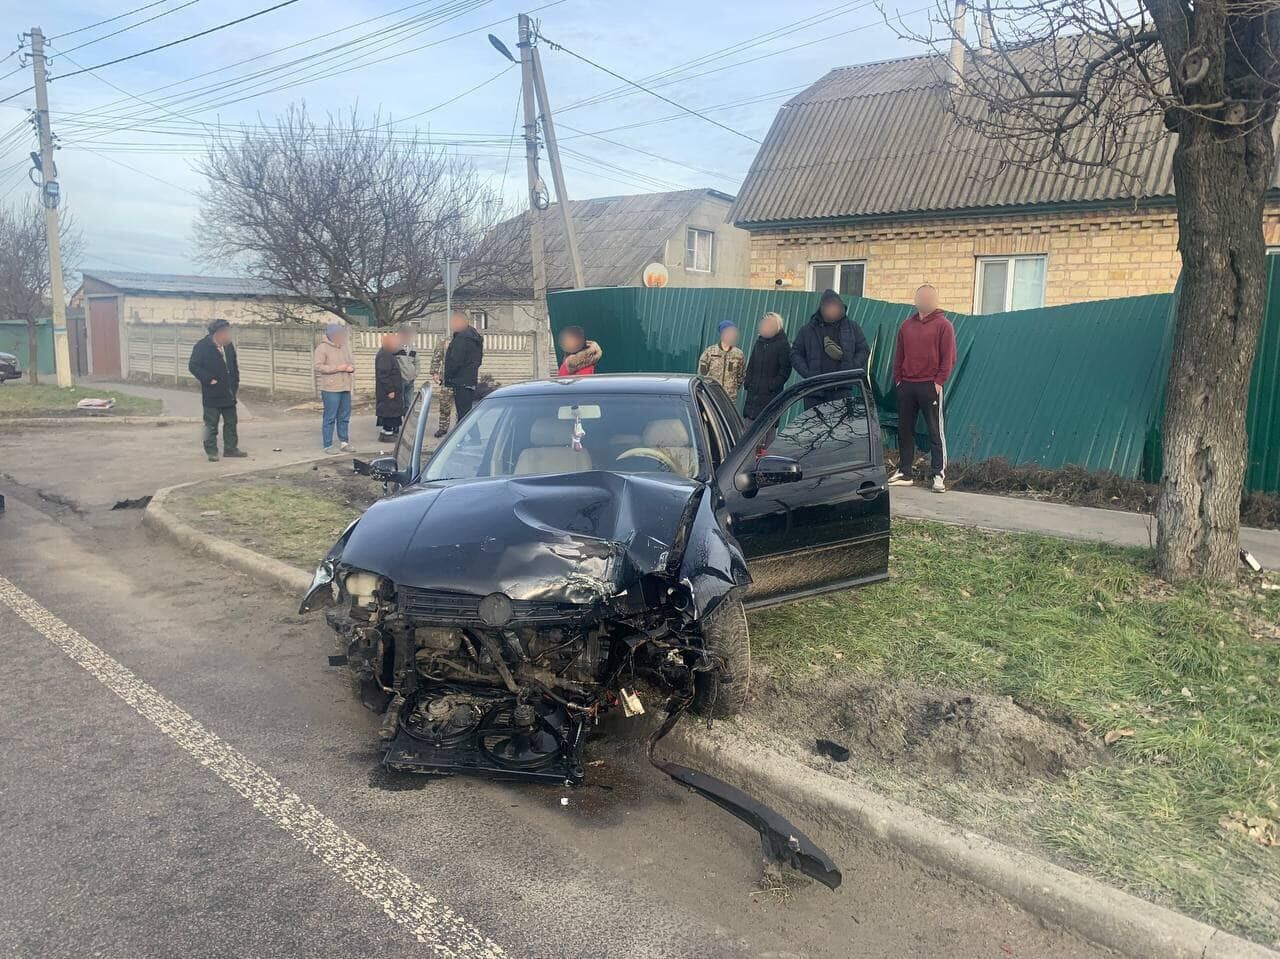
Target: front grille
[[463, 609]]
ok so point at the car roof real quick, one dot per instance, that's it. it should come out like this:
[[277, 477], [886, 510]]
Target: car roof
[[603, 384]]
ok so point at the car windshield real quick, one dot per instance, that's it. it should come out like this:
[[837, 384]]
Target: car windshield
[[529, 435]]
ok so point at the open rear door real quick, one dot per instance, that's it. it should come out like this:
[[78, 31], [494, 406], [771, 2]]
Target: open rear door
[[805, 491]]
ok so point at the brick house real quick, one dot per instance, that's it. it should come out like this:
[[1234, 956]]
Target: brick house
[[865, 183]]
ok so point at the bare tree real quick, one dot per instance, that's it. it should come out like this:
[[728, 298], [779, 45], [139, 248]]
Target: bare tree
[[24, 269], [1086, 88], [345, 213]]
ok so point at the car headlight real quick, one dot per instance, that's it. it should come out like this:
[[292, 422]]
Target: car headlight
[[362, 587]]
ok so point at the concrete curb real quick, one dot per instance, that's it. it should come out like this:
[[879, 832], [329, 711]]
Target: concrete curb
[[157, 516], [1100, 913], [105, 420]]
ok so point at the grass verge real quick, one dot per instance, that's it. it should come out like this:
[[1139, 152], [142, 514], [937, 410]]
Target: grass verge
[[1186, 681], [291, 523], [45, 399]]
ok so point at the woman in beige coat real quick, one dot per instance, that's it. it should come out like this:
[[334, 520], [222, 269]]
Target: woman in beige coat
[[335, 369]]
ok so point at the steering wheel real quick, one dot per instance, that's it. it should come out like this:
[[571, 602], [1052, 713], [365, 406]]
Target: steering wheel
[[666, 459]]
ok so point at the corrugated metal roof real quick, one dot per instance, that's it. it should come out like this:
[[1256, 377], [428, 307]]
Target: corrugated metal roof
[[617, 235], [880, 139], [182, 284]]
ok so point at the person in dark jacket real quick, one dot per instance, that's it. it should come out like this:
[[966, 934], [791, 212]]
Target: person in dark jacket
[[462, 362], [768, 366], [830, 341], [213, 363], [388, 388]]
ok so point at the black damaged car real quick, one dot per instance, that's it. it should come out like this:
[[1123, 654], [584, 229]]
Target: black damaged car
[[573, 538]]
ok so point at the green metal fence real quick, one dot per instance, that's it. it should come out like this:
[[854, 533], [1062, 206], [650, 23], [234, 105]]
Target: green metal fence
[[1079, 384], [14, 339]]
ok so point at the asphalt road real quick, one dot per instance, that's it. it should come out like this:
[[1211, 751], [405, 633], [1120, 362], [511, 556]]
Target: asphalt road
[[182, 775]]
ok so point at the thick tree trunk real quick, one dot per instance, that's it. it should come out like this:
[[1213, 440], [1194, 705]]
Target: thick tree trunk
[[1220, 180], [33, 353]]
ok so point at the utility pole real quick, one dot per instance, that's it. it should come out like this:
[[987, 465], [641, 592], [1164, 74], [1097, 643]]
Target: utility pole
[[557, 174], [49, 196], [537, 243]]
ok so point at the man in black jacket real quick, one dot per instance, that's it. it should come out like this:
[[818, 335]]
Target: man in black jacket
[[213, 363], [830, 341], [462, 362], [768, 367]]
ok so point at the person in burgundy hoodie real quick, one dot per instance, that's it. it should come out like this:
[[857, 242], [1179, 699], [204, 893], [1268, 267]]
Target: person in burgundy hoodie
[[923, 358]]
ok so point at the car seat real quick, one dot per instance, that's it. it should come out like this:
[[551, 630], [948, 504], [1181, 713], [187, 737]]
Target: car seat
[[551, 449], [672, 438]]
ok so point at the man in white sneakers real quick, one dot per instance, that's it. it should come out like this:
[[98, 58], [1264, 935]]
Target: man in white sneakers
[[923, 358]]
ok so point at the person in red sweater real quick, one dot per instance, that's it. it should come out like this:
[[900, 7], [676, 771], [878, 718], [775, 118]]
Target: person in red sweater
[[923, 358], [580, 354]]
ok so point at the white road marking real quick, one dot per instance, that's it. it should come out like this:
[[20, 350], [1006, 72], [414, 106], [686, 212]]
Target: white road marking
[[405, 902]]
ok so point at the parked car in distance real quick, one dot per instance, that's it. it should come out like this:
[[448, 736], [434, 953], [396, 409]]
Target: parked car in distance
[[573, 536], [9, 368]]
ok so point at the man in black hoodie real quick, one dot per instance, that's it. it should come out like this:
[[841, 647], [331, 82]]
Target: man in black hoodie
[[768, 367], [462, 362], [213, 363], [830, 341]]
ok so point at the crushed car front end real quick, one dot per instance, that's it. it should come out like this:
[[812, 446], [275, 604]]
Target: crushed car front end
[[493, 623]]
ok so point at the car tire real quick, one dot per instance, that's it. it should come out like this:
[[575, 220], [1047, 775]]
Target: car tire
[[722, 692]]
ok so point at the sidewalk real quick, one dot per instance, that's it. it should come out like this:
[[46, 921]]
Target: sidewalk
[[177, 402], [1055, 519]]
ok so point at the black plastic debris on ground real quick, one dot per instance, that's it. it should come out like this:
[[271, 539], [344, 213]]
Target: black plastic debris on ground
[[139, 503], [832, 750]]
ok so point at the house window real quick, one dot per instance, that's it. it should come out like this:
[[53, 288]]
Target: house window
[[845, 278], [479, 319], [1009, 283], [698, 245]]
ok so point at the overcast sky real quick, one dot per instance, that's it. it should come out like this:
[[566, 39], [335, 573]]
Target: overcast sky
[[130, 132]]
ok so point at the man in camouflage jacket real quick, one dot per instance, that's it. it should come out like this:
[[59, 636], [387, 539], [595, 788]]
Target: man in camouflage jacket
[[724, 362], [443, 395]]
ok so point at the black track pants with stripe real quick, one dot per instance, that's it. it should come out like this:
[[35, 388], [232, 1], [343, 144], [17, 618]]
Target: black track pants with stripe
[[913, 399]]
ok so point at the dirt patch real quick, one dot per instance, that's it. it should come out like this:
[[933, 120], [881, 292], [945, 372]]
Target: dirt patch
[[928, 732], [1077, 486]]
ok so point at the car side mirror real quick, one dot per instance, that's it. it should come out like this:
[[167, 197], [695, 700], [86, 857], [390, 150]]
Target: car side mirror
[[768, 471], [385, 469]]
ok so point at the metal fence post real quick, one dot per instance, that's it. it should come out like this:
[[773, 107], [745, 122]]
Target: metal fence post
[[175, 356], [314, 391], [151, 357], [271, 358]]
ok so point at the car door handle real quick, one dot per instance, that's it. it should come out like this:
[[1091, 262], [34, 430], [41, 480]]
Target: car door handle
[[870, 490]]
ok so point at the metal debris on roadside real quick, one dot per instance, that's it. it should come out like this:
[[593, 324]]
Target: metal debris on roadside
[[832, 750]]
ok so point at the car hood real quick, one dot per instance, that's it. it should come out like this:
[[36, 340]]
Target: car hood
[[571, 538], [8, 357]]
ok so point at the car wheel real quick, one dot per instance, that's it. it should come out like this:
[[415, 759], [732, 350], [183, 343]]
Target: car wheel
[[722, 692]]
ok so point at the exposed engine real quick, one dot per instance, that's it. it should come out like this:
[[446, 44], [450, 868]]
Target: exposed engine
[[515, 697]]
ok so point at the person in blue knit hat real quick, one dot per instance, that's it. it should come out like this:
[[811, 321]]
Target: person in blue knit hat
[[723, 362]]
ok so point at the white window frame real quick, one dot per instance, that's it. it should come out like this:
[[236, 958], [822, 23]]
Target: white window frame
[[691, 237], [479, 319], [838, 265], [1011, 259]]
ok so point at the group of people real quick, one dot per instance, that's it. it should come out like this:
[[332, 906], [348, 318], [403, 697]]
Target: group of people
[[455, 369], [923, 358]]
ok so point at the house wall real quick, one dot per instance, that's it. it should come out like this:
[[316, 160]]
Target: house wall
[[1090, 256], [732, 250]]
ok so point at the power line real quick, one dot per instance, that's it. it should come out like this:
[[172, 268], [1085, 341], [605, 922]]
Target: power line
[[101, 23], [443, 14], [141, 172], [638, 86], [174, 43], [131, 26], [786, 29]]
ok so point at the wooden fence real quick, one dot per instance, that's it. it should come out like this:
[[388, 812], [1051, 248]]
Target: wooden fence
[[277, 358]]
